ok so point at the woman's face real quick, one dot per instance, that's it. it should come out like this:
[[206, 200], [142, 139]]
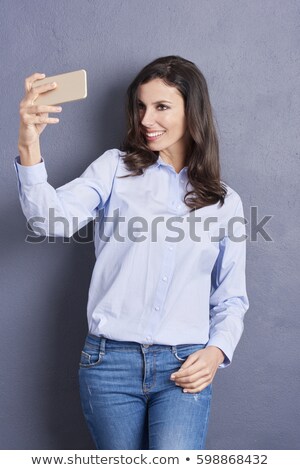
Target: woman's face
[[162, 117]]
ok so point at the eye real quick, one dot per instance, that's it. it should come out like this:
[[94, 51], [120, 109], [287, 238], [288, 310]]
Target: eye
[[162, 106]]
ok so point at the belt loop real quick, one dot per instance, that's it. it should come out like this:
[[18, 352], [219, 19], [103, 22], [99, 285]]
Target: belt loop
[[174, 349], [102, 345]]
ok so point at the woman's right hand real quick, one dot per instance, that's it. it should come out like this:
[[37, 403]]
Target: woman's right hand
[[33, 118]]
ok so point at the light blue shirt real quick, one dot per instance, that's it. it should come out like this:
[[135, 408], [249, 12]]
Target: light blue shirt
[[160, 276]]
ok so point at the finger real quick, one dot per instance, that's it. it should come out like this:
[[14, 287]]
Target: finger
[[35, 119], [189, 381], [195, 388], [196, 375], [43, 88], [189, 385], [35, 92], [29, 80], [192, 359], [190, 370], [193, 373], [43, 109], [195, 379]]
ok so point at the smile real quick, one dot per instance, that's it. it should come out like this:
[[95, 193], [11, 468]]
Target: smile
[[154, 135]]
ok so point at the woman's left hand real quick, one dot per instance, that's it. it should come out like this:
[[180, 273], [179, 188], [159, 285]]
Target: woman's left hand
[[198, 371]]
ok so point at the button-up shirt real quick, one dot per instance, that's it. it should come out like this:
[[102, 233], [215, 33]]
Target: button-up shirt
[[163, 274]]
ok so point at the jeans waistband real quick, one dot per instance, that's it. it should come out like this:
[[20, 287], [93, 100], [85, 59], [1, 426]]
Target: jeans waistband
[[106, 343]]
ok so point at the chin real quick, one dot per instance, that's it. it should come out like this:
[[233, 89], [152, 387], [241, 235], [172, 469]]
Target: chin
[[156, 146]]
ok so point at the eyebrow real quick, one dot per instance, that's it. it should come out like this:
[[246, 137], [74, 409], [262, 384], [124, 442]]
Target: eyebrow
[[157, 102]]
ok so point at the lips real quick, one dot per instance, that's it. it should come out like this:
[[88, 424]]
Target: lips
[[154, 135]]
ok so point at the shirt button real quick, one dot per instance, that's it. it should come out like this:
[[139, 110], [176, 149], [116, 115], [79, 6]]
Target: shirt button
[[148, 338], [165, 278], [156, 308], [170, 248]]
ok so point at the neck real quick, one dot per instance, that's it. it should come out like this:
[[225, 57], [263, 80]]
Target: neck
[[177, 159], [177, 163]]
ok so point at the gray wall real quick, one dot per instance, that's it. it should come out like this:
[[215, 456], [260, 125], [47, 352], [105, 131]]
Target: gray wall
[[249, 54]]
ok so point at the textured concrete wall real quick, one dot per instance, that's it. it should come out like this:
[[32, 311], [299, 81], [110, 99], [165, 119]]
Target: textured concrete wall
[[249, 54]]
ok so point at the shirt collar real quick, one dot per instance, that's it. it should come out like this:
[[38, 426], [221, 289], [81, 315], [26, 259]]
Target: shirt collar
[[160, 161]]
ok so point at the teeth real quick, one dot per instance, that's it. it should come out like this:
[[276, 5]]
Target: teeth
[[154, 134]]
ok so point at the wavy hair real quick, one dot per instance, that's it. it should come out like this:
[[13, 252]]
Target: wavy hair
[[203, 163]]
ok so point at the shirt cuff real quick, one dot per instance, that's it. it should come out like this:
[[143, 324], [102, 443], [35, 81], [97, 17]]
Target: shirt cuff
[[32, 174], [224, 348]]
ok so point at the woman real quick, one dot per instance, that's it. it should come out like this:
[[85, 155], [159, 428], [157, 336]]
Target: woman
[[159, 305]]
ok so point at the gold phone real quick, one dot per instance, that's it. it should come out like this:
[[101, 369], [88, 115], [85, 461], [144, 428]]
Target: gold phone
[[71, 86]]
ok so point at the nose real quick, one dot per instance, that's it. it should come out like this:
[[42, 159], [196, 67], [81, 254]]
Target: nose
[[147, 119]]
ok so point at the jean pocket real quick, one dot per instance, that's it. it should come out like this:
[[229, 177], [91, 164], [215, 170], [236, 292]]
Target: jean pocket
[[91, 355], [183, 351]]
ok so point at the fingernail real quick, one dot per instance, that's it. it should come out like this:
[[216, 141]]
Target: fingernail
[[184, 391], [173, 377]]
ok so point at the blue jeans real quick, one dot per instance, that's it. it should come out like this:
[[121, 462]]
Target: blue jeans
[[130, 402]]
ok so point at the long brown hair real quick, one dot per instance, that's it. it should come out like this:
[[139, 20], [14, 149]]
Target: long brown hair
[[203, 163]]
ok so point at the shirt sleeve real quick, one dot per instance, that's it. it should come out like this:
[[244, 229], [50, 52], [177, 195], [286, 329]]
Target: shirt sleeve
[[229, 300], [63, 211]]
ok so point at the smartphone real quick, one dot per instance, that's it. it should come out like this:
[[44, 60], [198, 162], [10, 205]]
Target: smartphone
[[71, 86]]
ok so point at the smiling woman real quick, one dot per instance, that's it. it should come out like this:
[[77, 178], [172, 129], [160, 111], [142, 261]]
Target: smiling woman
[[165, 314], [163, 121], [169, 115]]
